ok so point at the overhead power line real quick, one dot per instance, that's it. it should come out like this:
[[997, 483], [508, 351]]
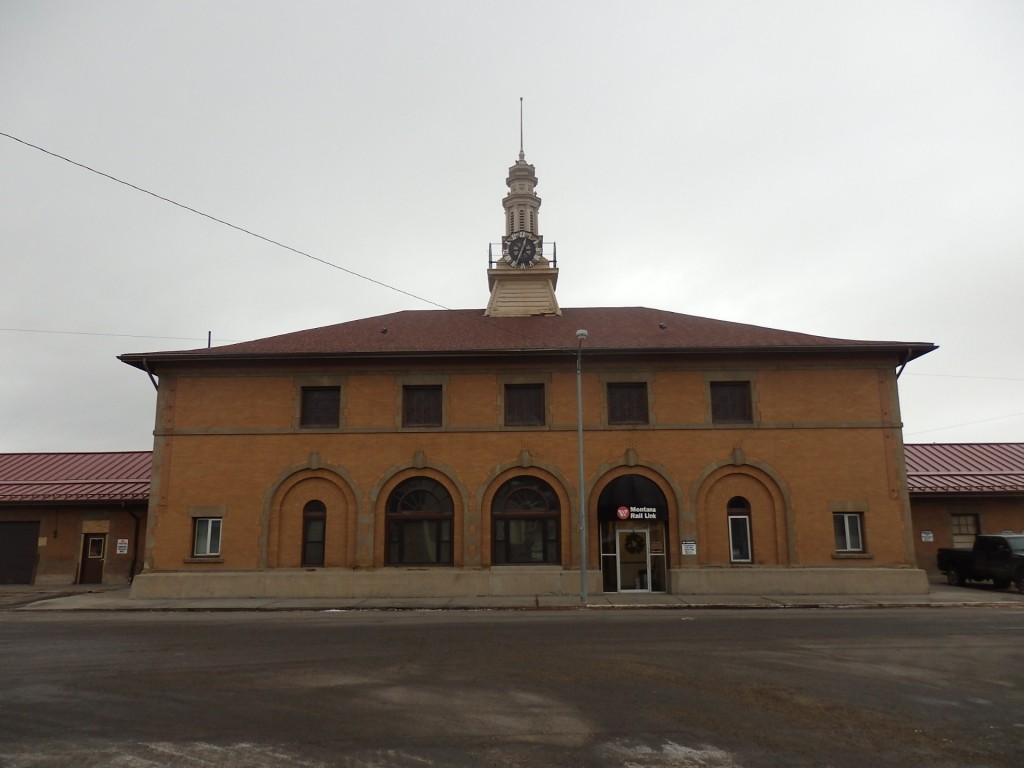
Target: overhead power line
[[229, 341], [361, 277], [964, 424], [964, 376], [225, 223], [117, 335]]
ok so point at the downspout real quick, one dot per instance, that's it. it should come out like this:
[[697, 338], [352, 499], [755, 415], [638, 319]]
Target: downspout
[[138, 520], [135, 542], [906, 359], [152, 378], [902, 490]]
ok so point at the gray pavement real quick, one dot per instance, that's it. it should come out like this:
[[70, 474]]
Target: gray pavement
[[116, 598]]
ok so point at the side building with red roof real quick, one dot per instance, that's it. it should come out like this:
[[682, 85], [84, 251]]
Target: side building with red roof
[[438, 452], [72, 518], [958, 490]]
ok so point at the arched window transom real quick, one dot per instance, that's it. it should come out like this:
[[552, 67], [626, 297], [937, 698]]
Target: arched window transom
[[526, 519], [419, 523]]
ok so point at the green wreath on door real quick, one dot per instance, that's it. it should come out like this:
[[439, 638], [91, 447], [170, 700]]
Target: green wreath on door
[[635, 544]]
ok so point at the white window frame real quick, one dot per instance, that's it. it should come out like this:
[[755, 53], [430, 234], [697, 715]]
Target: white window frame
[[204, 538], [750, 542], [846, 517]]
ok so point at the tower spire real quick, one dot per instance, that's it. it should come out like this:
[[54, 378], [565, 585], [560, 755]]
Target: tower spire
[[523, 280], [522, 154]]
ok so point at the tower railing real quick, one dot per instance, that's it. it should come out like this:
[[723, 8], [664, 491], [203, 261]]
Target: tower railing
[[546, 249]]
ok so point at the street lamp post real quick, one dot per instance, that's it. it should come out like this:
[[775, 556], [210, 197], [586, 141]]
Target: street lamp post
[[581, 335]]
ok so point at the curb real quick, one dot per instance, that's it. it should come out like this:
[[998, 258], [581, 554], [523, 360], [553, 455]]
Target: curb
[[40, 606]]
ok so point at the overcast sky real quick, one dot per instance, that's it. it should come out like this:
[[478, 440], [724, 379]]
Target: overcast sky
[[848, 169]]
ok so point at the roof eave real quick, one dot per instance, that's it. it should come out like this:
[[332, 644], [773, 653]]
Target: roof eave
[[902, 352]]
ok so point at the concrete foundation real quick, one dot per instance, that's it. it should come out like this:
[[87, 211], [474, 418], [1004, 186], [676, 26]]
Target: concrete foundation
[[437, 582], [798, 581]]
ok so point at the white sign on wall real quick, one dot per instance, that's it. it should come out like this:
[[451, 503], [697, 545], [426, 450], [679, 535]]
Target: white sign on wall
[[122, 546], [689, 547]]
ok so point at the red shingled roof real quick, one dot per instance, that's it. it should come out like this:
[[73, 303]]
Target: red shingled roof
[[37, 477], [996, 468], [469, 332]]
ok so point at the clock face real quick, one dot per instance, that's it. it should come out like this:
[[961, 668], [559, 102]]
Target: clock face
[[521, 249]]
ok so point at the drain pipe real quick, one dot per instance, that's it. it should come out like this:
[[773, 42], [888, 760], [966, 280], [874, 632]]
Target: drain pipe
[[135, 542], [138, 520], [152, 378], [906, 359]]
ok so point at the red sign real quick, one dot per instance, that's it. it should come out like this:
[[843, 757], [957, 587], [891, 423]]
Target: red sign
[[622, 513]]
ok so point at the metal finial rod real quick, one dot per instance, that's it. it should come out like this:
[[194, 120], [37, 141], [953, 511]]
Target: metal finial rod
[[520, 124]]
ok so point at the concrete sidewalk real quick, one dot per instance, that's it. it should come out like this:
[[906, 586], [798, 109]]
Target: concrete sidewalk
[[99, 598]]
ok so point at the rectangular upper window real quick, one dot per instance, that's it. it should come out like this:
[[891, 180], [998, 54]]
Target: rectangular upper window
[[321, 407], [421, 406], [627, 403], [731, 402], [206, 542], [849, 537], [524, 405]]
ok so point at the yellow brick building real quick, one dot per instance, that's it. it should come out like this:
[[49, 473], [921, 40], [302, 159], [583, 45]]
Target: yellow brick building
[[438, 452]]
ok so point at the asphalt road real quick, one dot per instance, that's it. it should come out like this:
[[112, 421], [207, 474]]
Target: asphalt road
[[715, 689]]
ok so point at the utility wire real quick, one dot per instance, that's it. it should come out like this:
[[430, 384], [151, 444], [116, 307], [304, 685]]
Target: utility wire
[[226, 223], [118, 335], [487, 321], [235, 341], [963, 376], [965, 424], [308, 256], [229, 341]]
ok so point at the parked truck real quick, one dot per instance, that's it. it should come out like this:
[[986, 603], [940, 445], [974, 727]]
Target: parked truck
[[995, 558]]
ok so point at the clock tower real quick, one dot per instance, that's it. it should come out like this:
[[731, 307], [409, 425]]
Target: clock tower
[[522, 281]]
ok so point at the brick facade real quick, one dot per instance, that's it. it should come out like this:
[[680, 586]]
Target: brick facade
[[825, 437]]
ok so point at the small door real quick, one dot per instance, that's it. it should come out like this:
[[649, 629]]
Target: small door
[[19, 548], [94, 549], [634, 561]]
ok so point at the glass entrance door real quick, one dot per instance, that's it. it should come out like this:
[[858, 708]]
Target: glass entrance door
[[633, 560]]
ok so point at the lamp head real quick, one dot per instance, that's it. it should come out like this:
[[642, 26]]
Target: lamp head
[[581, 334]]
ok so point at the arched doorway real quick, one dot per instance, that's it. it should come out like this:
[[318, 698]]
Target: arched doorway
[[633, 514]]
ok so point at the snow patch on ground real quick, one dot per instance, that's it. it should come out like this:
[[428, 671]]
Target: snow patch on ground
[[670, 755], [156, 754]]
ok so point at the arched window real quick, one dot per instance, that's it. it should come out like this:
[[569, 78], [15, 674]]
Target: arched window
[[526, 519], [740, 542], [419, 523], [314, 530]]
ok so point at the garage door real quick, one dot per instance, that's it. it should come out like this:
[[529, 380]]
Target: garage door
[[19, 543]]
